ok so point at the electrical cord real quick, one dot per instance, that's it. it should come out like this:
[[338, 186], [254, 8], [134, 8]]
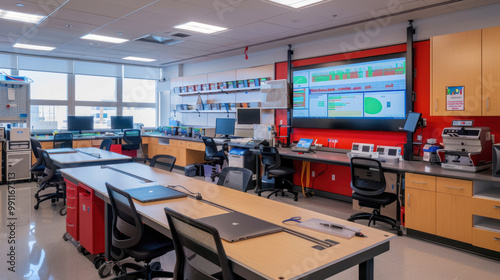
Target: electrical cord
[[310, 193], [195, 195]]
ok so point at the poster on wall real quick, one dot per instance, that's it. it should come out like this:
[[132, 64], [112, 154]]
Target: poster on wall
[[455, 98]]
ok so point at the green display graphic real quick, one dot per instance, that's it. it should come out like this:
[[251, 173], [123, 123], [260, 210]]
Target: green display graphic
[[299, 80], [372, 106]]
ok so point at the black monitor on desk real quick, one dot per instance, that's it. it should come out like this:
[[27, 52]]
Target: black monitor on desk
[[122, 122], [79, 123], [224, 126]]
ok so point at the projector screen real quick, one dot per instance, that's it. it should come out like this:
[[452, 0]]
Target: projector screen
[[360, 94]]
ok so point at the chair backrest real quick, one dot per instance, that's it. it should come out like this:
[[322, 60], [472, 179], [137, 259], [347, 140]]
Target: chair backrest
[[50, 168], [127, 227], [106, 144], [202, 240], [35, 145], [63, 140], [237, 178], [165, 162], [132, 136], [270, 158], [210, 147], [367, 176]]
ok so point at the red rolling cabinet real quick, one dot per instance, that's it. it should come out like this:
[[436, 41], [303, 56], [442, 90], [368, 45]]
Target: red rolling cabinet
[[72, 209], [91, 220]]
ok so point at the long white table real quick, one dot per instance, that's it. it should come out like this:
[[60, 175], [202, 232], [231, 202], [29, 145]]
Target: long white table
[[296, 253], [86, 157]]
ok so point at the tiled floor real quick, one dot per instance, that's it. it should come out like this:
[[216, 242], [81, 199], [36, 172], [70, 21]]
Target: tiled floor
[[40, 252]]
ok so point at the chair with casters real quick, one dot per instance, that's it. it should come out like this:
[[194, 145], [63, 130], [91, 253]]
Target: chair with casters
[[133, 142], [106, 144], [237, 178], [50, 178], [165, 162], [136, 239], [272, 169], [38, 167], [63, 140], [217, 157], [198, 250], [368, 184]]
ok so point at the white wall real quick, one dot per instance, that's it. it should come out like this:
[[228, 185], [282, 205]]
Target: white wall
[[478, 18]]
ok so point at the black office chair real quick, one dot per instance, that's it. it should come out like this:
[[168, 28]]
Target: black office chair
[[165, 162], [106, 144], [50, 178], [63, 140], [214, 155], [198, 249], [137, 240], [368, 184], [271, 161], [132, 139], [237, 178], [38, 167]]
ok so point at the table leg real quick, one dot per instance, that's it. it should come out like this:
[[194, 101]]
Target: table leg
[[366, 270], [108, 218]]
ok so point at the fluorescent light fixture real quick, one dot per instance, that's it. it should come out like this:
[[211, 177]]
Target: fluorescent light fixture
[[297, 3], [139, 58], [33, 47], [104, 38], [200, 27], [23, 17]]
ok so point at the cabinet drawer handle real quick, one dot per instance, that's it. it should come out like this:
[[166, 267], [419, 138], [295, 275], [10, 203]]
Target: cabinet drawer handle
[[456, 188], [436, 105], [487, 104], [496, 207], [496, 238], [419, 182], [409, 200], [70, 207], [70, 225]]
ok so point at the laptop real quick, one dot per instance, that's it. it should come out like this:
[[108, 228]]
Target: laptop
[[236, 226], [303, 146], [154, 193]]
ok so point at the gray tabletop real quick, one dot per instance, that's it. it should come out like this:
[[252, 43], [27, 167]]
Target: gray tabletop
[[88, 156]]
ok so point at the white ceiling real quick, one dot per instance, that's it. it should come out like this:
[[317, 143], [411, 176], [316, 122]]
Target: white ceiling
[[255, 23]]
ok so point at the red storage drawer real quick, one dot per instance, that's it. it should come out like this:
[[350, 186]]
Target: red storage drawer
[[131, 153], [71, 228], [116, 148], [72, 213], [90, 220], [71, 188], [71, 200]]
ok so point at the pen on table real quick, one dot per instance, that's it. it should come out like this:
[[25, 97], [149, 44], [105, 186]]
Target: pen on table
[[356, 233]]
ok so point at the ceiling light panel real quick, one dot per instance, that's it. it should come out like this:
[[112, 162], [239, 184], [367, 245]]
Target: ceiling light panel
[[143, 59], [104, 39], [33, 47], [200, 27], [22, 17], [296, 4]]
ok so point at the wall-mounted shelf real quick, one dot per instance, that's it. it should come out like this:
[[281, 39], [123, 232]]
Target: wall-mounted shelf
[[219, 91], [206, 111]]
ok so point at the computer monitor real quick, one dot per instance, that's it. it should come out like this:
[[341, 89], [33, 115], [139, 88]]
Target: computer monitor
[[79, 123], [412, 122], [225, 126], [247, 117], [122, 122]]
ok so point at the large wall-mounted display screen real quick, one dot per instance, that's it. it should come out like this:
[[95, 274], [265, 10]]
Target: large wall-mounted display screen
[[363, 94]]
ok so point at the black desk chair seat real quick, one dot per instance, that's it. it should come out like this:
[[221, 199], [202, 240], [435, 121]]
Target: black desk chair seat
[[271, 161], [38, 167], [136, 239], [165, 162], [237, 178], [106, 144], [368, 184], [63, 140]]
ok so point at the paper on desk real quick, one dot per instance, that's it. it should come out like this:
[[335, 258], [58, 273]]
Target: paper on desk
[[315, 224]]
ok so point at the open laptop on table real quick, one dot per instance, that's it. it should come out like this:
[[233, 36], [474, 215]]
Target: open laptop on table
[[304, 145], [236, 226]]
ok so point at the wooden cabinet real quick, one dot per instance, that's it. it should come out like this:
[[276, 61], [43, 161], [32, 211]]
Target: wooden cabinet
[[454, 217], [420, 210], [456, 61], [185, 151], [82, 143], [491, 71]]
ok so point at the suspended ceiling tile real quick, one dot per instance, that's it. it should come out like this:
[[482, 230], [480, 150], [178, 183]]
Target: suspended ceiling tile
[[130, 29], [78, 16], [264, 28], [214, 39], [78, 28], [347, 8], [238, 34], [297, 19], [99, 7], [472, 4], [37, 8], [245, 13], [137, 46], [147, 17], [177, 9], [54, 35]]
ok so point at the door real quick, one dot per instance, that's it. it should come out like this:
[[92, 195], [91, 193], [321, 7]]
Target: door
[[454, 217], [420, 210]]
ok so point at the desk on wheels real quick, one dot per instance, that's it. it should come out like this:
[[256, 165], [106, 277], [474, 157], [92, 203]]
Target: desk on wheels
[[86, 157], [273, 256]]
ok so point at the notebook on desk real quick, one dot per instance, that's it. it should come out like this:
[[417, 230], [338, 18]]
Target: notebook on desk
[[154, 193], [236, 226]]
